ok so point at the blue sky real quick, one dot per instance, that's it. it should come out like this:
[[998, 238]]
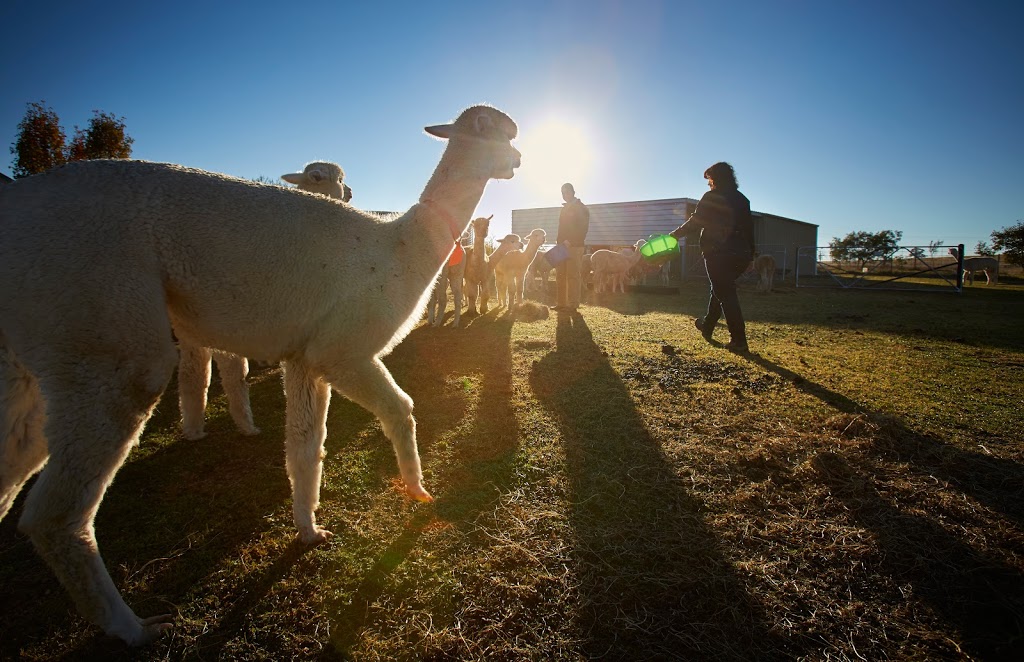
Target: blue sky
[[854, 115]]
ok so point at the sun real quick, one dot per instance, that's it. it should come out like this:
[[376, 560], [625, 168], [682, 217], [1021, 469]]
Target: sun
[[556, 151]]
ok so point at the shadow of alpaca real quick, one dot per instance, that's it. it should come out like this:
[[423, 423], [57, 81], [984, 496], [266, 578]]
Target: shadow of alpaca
[[458, 372], [654, 582], [196, 504]]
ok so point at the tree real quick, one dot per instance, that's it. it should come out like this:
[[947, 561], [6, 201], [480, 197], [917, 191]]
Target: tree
[[105, 138], [934, 246], [982, 248], [864, 246], [40, 142], [1011, 241]]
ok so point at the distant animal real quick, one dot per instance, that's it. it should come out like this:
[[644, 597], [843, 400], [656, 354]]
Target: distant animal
[[987, 265], [510, 272], [321, 177], [100, 260], [612, 267], [764, 267], [451, 276], [539, 268]]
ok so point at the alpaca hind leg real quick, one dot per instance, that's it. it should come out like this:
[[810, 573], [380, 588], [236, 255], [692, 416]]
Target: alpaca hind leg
[[438, 301], [307, 399], [93, 418], [193, 385], [233, 371], [371, 387], [22, 442]]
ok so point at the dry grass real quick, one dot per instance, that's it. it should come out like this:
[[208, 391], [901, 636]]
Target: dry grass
[[609, 486]]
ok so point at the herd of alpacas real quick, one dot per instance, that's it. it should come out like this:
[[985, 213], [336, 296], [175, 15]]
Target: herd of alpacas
[[114, 272], [104, 263]]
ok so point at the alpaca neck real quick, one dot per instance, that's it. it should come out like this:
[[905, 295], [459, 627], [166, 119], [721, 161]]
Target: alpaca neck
[[454, 189], [479, 246]]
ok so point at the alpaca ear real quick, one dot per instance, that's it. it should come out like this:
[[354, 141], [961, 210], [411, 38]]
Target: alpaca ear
[[440, 130], [490, 217], [316, 175], [293, 178], [483, 123]]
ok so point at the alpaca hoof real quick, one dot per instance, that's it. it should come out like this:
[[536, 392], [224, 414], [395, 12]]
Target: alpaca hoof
[[193, 435], [146, 630], [315, 537], [250, 431], [417, 493]]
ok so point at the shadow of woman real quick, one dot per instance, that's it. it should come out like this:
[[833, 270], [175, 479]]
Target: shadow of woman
[[994, 481], [653, 580], [980, 598]]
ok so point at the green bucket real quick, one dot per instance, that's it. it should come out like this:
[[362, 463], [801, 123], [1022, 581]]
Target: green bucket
[[659, 248]]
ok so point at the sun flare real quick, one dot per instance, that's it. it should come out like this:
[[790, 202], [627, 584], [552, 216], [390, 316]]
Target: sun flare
[[556, 151]]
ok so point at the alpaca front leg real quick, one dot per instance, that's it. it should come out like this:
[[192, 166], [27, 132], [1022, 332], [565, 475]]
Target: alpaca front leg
[[233, 372], [371, 387], [307, 399], [457, 294], [193, 384]]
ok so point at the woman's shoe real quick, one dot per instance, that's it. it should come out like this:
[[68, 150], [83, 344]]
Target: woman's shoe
[[706, 332]]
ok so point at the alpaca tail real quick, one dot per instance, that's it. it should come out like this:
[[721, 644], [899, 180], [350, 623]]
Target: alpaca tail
[[22, 442]]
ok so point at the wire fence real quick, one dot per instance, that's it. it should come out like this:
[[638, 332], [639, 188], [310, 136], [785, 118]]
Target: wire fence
[[912, 268]]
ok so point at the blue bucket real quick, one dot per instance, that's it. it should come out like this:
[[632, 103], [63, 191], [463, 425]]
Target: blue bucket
[[557, 255]]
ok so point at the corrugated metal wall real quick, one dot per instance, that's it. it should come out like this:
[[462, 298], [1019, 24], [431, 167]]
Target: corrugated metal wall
[[611, 224]]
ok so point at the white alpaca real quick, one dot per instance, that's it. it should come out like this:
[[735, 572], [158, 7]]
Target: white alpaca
[[539, 268], [100, 259], [510, 272], [451, 274], [764, 267], [475, 275], [986, 265], [612, 267], [321, 177]]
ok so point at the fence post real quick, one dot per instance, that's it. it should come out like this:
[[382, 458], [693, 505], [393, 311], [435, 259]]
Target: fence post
[[960, 267]]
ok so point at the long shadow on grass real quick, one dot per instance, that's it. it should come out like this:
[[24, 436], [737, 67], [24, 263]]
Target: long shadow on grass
[[982, 597], [654, 582], [170, 519], [996, 482], [443, 369]]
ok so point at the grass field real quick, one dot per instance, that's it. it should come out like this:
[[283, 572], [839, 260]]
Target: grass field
[[608, 486]]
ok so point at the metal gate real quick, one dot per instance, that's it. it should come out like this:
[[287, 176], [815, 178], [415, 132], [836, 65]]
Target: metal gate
[[908, 268]]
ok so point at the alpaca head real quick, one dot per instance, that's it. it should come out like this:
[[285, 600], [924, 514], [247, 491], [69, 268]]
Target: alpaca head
[[321, 177], [480, 226], [535, 239], [487, 134]]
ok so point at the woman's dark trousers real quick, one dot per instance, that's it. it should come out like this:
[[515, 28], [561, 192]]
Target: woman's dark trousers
[[723, 270]]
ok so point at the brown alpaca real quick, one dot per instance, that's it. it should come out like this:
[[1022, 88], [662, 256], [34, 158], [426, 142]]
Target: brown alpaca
[[764, 267], [475, 278], [510, 273]]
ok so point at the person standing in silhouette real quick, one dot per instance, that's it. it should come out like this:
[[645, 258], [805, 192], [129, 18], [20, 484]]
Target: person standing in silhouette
[[573, 223]]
